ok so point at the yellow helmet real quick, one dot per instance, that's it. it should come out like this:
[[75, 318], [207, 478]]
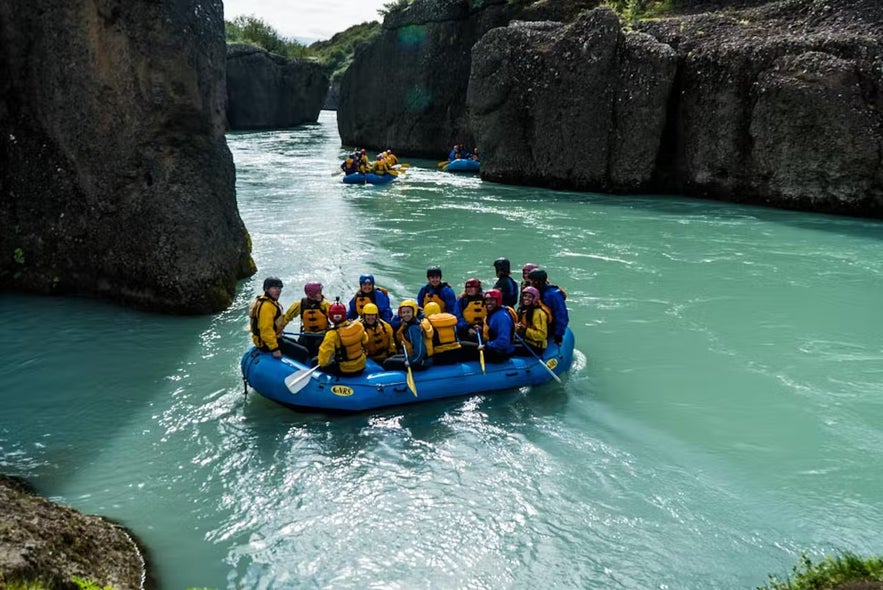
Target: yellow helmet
[[408, 303], [369, 309], [431, 308]]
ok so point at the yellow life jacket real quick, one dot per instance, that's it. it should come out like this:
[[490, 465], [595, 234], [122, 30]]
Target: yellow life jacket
[[312, 317], [379, 336], [361, 299], [546, 309], [444, 336], [254, 313], [427, 297], [380, 167], [350, 335], [474, 311], [425, 328]]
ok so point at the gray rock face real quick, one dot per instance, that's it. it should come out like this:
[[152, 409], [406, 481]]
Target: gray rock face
[[46, 541], [267, 91], [779, 105], [580, 106], [115, 177], [407, 89]]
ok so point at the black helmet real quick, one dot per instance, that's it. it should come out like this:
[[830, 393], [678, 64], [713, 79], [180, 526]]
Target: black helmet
[[272, 282], [538, 275], [433, 271], [502, 264]]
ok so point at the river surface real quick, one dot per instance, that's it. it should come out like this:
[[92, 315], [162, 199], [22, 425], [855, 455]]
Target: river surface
[[724, 413]]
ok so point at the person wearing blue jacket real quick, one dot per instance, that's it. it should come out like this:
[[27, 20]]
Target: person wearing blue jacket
[[498, 329], [369, 293], [436, 290], [552, 297]]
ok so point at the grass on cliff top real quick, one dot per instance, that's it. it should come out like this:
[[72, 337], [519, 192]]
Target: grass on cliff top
[[844, 572]]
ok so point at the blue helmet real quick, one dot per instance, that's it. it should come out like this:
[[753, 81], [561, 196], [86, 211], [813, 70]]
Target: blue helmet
[[366, 279]]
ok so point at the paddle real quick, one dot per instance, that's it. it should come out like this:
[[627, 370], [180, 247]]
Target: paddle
[[411, 385], [297, 381], [480, 350], [530, 350]]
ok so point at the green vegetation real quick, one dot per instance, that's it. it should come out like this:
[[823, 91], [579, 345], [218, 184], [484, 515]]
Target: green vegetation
[[84, 584], [394, 6], [254, 31], [833, 573], [632, 10], [337, 53]]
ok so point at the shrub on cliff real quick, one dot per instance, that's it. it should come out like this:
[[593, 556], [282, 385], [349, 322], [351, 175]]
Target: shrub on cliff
[[254, 31]]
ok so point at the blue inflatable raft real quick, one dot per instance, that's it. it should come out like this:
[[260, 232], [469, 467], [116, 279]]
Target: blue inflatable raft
[[370, 178], [463, 166], [294, 384]]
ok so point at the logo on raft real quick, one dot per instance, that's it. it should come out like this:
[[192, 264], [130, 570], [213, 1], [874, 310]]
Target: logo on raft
[[552, 363], [341, 390]]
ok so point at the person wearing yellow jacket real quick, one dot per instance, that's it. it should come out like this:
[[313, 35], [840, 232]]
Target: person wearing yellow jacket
[[313, 313], [342, 351], [380, 166], [266, 318], [381, 342], [532, 324]]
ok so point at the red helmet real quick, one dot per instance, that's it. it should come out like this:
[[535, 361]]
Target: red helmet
[[473, 283], [337, 312], [313, 289], [362, 151], [529, 267], [532, 291], [494, 294]]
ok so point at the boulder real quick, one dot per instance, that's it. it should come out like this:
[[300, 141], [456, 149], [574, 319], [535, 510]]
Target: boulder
[[41, 540], [115, 177], [268, 91]]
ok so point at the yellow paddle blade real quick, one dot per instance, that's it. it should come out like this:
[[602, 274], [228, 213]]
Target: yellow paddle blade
[[411, 385], [481, 359], [443, 164]]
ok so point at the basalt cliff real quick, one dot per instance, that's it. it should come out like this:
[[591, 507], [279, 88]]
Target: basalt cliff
[[115, 177], [267, 91], [777, 103]]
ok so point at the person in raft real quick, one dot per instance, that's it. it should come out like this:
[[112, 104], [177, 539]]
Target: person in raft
[[381, 341], [505, 283], [342, 351], [436, 290], [266, 319], [414, 335], [369, 293], [498, 328], [313, 312], [533, 323]]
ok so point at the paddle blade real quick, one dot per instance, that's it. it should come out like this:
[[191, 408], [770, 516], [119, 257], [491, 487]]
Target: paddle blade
[[442, 164], [298, 380], [411, 385], [481, 359]]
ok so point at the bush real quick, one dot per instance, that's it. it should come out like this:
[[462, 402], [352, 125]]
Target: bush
[[831, 574]]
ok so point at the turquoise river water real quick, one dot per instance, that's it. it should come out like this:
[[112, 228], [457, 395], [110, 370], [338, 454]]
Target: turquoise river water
[[724, 414]]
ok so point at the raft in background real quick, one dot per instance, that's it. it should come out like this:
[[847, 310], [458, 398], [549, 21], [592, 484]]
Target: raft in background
[[377, 388], [370, 178], [463, 166]]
